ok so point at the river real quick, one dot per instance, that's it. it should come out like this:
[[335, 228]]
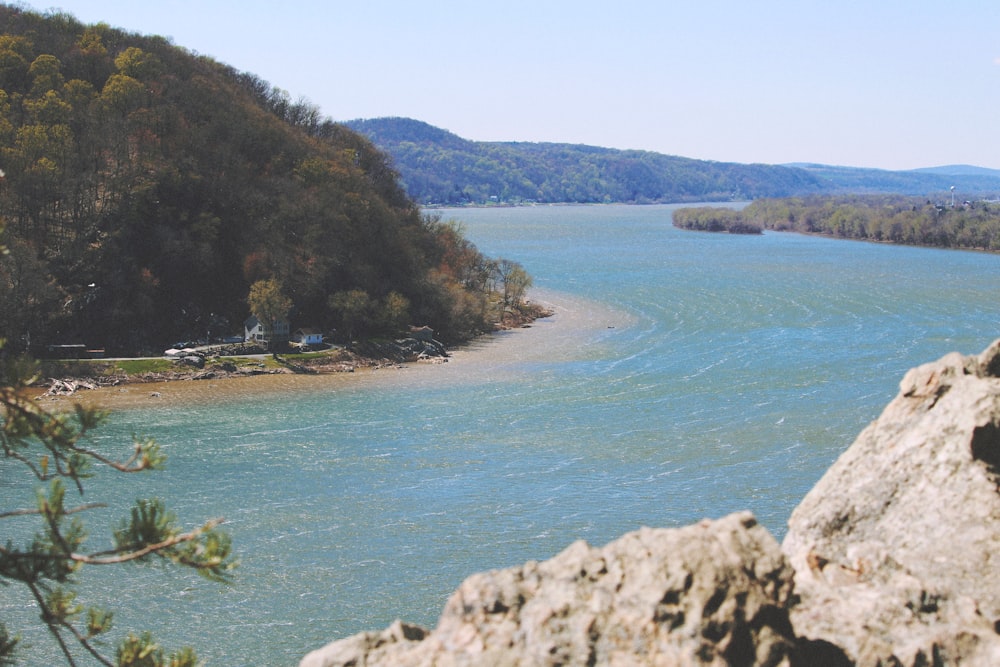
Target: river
[[684, 375]]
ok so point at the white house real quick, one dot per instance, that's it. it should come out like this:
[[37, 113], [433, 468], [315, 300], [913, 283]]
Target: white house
[[308, 336], [259, 332]]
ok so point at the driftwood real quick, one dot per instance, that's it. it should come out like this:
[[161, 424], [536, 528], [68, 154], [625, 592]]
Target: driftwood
[[68, 386]]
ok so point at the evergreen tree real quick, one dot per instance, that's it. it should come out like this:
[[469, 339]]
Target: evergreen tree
[[51, 448]]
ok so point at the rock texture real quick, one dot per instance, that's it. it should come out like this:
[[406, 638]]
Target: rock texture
[[897, 548], [892, 559], [403, 350], [710, 594]]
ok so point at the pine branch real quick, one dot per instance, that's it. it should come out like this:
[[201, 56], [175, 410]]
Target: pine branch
[[121, 555], [74, 510]]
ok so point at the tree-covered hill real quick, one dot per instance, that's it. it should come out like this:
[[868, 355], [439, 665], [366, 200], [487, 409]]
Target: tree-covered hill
[[147, 188], [971, 181], [438, 167]]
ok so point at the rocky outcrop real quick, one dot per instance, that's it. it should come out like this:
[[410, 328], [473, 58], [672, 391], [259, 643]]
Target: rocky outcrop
[[404, 350], [897, 549], [710, 594], [892, 559]]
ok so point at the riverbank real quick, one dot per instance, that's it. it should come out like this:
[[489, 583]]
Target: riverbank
[[130, 382]]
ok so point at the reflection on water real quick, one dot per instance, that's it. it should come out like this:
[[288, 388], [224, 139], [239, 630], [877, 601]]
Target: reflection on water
[[684, 375]]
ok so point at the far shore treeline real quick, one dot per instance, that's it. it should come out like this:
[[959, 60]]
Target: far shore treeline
[[966, 225], [439, 168], [712, 219], [146, 189]]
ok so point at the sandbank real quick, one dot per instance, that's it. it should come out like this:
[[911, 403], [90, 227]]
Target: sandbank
[[573, 326]]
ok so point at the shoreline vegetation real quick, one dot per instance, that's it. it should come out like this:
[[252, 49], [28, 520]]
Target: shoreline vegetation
[[149, 195], [894, 219], [712, 219], [67, 377]]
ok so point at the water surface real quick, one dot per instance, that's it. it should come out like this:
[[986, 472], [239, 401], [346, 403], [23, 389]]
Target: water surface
[[684, 375]]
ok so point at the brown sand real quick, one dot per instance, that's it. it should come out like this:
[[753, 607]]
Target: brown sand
[[215, 390], [545, 340]]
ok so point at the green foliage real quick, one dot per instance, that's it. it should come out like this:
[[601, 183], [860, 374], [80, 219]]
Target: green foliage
[[268, 302], [356, 311], [513, 282], [441, 168], [142, 651], [881, 218], [395, 312], [891, 219], [50, 448], [438, 167], [714, 219], [358, 314], [147, 189], [132, 367]]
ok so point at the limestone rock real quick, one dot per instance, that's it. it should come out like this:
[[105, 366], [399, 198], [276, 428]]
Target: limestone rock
[[897, 549], [366, 648], [895, 553], [714, 593]]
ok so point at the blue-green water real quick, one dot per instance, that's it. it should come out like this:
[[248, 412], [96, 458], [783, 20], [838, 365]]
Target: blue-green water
[[683, 376]]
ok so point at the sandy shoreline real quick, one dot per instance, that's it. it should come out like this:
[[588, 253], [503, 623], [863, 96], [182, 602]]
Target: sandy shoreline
[[178, 393], [544, 339], [189, 388]]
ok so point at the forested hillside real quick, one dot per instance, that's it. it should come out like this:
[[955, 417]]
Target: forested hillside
[[438, 167], [970, 181], [146, 189]]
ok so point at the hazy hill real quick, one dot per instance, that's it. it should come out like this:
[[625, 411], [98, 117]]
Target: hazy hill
[[961, 170], [147, 188], [970, 181], [438, 167]]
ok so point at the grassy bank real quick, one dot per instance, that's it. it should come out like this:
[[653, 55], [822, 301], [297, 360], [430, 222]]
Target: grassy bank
[[152, 369]]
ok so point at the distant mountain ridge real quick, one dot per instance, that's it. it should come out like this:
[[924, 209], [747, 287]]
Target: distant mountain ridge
[[961, 170], [968, 180], [439, 167]]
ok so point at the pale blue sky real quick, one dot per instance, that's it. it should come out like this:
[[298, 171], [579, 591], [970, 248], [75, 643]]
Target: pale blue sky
[[893, 84]]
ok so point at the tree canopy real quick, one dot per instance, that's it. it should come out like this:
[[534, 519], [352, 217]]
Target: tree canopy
[[268, 302], [147, 188], [903, 220], [714, 219], [146, 194], [918, 221]]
